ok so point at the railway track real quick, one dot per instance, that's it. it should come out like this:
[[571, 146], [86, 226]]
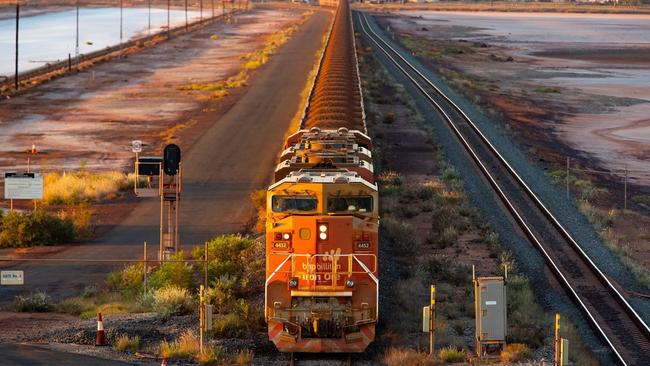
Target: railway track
[[604, 306]]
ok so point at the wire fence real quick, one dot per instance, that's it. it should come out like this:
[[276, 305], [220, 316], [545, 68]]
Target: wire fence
[[619, 188], [37, 39]]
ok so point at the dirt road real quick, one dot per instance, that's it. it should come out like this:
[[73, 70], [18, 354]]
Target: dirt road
[[233, 155]]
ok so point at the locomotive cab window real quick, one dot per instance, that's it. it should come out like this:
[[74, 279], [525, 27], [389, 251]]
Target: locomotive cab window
[[293, 203], [349, 204]]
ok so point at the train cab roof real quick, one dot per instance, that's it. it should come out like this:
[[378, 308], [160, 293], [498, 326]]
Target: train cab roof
[[317, 176]]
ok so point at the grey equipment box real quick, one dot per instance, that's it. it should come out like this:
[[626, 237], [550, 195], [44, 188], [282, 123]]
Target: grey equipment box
[[491, 317]]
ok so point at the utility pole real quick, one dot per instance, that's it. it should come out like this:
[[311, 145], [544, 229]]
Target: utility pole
[[212, 2], [121, 21], [168, 9], [201, 11], [186, 16], [17, 28], [77, 34], [149, 20]]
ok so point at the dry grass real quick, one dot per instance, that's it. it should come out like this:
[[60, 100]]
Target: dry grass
[[407, 357], [452, 355], [126, 343], [186, 346], [173, 300], [82, 186], [243, 357], [515, 352]]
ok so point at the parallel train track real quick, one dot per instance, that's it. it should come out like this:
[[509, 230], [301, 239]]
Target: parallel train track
[[604, 306]]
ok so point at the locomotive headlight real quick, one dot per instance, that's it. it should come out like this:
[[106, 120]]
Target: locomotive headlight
[[349, 283], [322, 231], [293, 282], [286, 236]]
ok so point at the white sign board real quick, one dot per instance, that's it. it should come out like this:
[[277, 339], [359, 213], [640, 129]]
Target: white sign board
[[136, 146], [12, 278], [24, 186]]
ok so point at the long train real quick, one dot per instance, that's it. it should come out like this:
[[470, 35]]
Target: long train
[[322, 280]]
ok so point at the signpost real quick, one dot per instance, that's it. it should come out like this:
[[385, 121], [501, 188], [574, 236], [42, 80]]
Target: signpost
[[12, 278], [23, 186]]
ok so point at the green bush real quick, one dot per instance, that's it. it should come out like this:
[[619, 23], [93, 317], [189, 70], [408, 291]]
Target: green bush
[[173, 300], [526, 321], [34, 228], [128, 281], [36, 302], [177, 274]]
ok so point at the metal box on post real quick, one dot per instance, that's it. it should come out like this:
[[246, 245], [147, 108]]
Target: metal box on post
[[491, 316]]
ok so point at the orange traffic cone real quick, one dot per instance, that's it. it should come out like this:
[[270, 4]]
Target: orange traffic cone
[[101, 335], [34, 149]]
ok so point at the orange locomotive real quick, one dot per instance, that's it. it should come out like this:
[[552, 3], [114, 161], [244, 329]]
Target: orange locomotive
[[322, 223], [321, 244]]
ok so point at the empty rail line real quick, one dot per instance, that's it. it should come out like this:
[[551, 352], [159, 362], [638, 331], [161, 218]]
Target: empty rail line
[[604, 306]]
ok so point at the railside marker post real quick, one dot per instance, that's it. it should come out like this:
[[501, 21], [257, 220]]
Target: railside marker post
[[432, 320], [556, 341], [201, 316], [144, 264]]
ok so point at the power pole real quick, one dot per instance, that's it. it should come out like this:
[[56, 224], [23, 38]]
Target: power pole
[[77, 34], [186, 15], [168, 30], [17, 29]]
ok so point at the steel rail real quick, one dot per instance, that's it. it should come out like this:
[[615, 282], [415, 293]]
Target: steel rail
[[622, 301]]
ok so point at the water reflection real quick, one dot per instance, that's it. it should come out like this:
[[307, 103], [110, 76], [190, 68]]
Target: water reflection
[[51, 37]]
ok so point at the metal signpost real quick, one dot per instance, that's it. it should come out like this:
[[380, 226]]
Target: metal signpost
[[23, 186]]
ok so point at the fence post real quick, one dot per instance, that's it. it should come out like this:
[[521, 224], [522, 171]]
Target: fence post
[[625, 189], [568, 174], [145, 269]]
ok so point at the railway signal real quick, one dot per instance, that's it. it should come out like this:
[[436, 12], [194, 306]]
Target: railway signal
[[167, 187]]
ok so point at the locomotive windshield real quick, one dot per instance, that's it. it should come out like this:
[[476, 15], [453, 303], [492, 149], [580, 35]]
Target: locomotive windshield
[[293, 203], [350, 204]]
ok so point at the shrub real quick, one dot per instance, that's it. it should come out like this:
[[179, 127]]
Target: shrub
[[35, 302], [126, 343], [515, 352], [389, 118], [34, 228], [259, 202], [73, 306], [452, 355], [177, 274], [82, 186], [526, 322], [186, 346], [231, 325], [238, 258], [128, 281], [406, 356], [172, 300]]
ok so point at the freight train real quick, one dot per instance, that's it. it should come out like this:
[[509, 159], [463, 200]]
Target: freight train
[[322, 279]]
